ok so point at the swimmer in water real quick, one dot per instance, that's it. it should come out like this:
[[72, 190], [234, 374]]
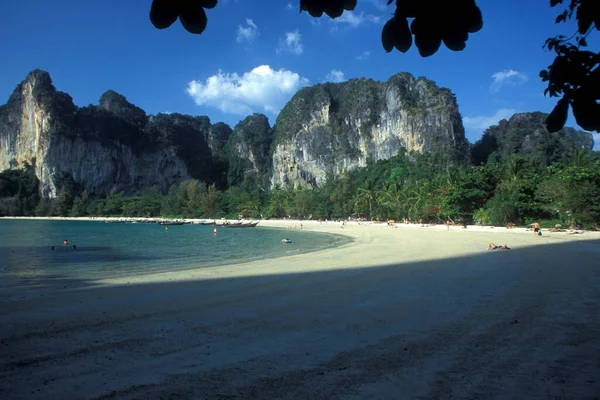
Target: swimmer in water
[[215, 231], [166, 229], [66, 242], [74, 247]]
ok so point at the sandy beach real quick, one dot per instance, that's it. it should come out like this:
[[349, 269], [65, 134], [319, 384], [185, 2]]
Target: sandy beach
[[398, 313]]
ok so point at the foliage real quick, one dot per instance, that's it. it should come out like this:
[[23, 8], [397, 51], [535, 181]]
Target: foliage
[[19, 191], [575, 74], [410, 186]]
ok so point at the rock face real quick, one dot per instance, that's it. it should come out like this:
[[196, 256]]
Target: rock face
[[330, 128], [248, 150], [113, 145], [525, 134]]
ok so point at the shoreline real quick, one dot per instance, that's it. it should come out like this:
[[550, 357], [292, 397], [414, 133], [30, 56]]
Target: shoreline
[[364, 248], [285, 223], [419, 311]]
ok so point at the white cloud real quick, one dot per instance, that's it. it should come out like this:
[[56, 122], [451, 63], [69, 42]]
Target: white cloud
[[364, 55], [335, 75], [261, 90], [289, 6], [291, 42], [507, 77], [474, 126], [355, 20], [596, 141], [247, 33]]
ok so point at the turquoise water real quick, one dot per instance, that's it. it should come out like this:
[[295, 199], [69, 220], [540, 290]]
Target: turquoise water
[[115, 250]]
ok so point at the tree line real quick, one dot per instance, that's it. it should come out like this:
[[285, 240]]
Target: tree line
[[409, 186]]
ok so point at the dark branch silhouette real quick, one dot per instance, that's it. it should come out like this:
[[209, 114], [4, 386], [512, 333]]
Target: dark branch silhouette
[[574, 75]]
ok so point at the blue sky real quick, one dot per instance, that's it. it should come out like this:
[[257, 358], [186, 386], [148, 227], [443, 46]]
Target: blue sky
[[249, 60]]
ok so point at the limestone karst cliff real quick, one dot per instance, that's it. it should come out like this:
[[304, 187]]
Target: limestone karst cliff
[[248, 151], [110, 146], [330, 128], [324, 129], [525, 134]]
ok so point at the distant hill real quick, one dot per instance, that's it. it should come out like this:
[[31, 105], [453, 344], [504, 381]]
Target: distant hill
[[525, 134]]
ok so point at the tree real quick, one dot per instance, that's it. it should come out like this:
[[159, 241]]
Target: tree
[[210, 200], [574, 74], [366, 196], [80, 205]]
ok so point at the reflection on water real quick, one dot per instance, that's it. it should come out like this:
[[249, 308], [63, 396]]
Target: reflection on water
[[33, 250]]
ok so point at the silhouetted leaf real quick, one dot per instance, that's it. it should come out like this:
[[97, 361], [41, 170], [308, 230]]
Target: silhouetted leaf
[[582, 42], [456, 41], [312, 7], [349, 4], [209, 3], [427, 45], [333, 12], [555, 2], [475, 19], [192, 16], [587, 113], [561, 18], [584, 17], [389, 2], [559, 69], [403, 37], [163, 13], [408, 9], [558, 117], [388, 35]]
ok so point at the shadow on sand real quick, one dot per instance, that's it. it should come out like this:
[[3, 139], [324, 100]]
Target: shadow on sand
[[512, 324]]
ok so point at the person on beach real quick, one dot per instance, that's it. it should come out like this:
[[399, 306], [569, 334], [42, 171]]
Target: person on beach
[[492, 246], [537, 229]]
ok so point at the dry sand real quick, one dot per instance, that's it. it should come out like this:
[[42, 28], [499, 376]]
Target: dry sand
[[399, 313]]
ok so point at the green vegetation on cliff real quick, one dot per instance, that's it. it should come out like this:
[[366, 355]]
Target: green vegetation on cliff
[[413, 187]]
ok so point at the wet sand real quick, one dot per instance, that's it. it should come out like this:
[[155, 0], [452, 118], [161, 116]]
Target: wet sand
[[399, 313]]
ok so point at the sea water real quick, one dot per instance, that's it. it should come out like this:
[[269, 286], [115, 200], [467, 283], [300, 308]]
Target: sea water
[[108, 250]]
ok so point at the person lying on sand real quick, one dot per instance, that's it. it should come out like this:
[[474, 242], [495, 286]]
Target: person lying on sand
[[492, 246], [575, 233]]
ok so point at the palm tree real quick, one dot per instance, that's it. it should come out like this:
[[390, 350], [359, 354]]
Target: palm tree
[[515, 167], [391, 195], [366, 196], [582, 158]]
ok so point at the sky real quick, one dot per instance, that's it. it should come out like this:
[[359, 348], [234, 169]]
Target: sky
[[255, 54]]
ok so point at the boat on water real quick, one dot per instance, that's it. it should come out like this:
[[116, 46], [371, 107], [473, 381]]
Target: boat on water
[[173, 223], [240, 225], [206, 223]]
